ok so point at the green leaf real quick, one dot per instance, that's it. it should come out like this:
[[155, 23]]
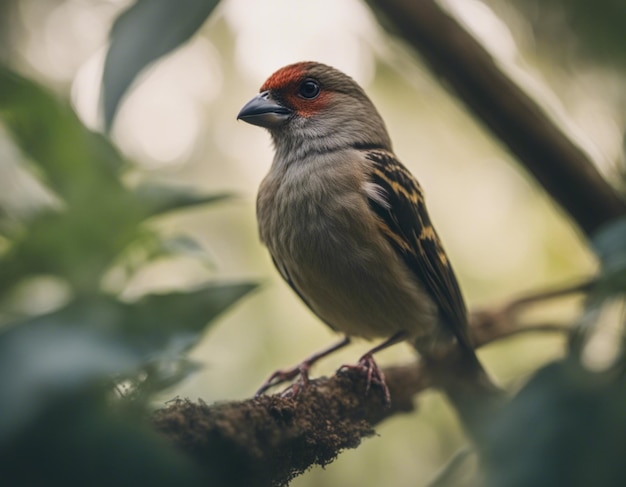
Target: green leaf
[[146, 31], [565, 427], [78, 164], [184, 245], [82, 440], [157, 324], [158, 198], [77, 244], [99, 338], [96, 217], [43, 359], [610, 245], [181, 315], [159, 376]]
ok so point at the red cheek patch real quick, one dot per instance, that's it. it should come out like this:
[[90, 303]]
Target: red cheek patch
[[305, 107]]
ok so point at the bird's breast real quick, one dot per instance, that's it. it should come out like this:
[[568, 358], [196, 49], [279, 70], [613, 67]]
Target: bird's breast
[[318, 227]]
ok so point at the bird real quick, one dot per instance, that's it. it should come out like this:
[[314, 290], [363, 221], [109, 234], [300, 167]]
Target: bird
[[347, 227]]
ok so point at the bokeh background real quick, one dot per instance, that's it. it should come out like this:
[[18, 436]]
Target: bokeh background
[[178, 124]]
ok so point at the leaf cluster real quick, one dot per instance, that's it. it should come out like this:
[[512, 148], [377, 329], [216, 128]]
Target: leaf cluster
[[76, 378], [566, 426]]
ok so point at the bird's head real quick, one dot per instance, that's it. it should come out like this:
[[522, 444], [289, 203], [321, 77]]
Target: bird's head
[[310, 106]]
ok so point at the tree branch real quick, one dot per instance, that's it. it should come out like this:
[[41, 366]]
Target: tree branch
[[504, 321], [266, 441], [558, 164]]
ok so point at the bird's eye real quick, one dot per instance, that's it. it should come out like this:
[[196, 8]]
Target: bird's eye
[[309, 89]]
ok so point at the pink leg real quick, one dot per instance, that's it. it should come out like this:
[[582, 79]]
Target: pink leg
[[368, 366], [302, 370]]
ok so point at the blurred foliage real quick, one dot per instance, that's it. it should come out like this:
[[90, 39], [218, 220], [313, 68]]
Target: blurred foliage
[[142, 34], [75, 382], [567, 425], [610, 245], [79, 440], [595, 28]]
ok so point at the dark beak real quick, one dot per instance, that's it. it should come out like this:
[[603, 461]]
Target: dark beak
[[263, 111]]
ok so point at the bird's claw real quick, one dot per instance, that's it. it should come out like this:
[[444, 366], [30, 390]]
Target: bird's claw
[[373, 375], [282, 376]]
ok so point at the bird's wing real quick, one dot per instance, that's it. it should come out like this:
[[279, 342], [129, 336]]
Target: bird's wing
[[397, 199]]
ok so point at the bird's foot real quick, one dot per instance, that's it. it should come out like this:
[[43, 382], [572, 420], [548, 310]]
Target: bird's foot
[[373, 374], [286, 375], [302, 370]]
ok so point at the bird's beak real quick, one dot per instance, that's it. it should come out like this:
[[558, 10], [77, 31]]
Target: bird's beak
[[263, 111]]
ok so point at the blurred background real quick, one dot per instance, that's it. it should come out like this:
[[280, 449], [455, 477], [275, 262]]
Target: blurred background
[[178, 124]]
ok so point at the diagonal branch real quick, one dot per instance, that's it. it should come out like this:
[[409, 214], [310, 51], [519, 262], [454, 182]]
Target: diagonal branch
[[504, 321], [558, 164]]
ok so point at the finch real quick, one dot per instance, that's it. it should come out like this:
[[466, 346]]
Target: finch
[[347, 227]]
